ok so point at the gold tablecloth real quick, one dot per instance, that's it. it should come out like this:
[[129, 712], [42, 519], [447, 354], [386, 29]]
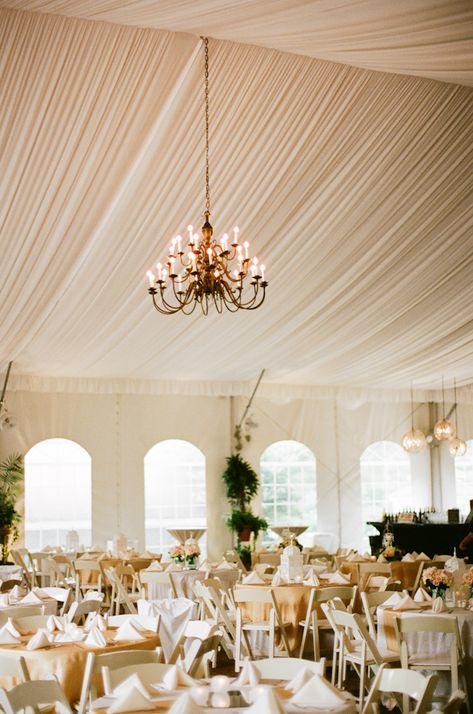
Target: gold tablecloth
[[67, 661], [401, 570]]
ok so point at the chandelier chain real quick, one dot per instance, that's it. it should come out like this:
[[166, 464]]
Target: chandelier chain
[[206, 93]]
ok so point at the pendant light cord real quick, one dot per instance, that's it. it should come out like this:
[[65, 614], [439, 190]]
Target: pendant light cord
[[206, 94]]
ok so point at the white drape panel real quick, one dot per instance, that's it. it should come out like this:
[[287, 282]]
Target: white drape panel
[[356, 188], [417, 37]]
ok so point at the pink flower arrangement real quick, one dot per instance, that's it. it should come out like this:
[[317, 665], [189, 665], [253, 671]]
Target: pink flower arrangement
[[468, 579], [437, 580], [191, 550], [177, 553]]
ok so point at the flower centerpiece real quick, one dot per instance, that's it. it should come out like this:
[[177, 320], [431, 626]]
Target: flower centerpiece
[[468, 581], [437, 581], [191, 554], [390, 553], [177, 553]]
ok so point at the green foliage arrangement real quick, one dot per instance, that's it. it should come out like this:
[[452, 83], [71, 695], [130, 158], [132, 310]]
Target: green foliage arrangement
[[242, 483], [11, 480]]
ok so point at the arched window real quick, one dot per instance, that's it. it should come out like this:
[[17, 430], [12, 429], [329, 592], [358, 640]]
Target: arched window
[[174, 491], [58, 493], [385, 472], [464, 478], [288, 484]]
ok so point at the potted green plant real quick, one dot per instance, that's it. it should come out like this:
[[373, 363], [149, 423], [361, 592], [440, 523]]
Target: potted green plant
[[242, 483], [11, 479]]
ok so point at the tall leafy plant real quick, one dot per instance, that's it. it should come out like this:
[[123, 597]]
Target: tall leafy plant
[[11, 480], [242, 484]]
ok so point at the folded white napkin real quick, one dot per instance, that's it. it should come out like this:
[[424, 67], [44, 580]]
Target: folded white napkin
[[408, 558], [10, 625], [7, 637], [4, 600], [319, 690], [394, 599], [339, 578], [200, 629], [129, 632], [422, 596], [185, 705], [39, 640], [54, 623], [154, 567], [95, 638], [277, 579], [249, 674], [134, 680], [95, 619], [438, 605], [311, 580], [16, 593], [406, 603], [225, 565], [32, 598], [131, 701], [422, 556], [266, 702], [301, 678], [381, 559], [252, 579], [176, 677]]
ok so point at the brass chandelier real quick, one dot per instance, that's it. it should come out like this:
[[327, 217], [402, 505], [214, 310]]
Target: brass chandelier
[[205, 271]]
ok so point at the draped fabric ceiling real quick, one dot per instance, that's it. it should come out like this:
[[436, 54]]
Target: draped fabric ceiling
[[354, 185]]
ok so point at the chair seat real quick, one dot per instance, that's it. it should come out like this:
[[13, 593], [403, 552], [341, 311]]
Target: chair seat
[[321, 624], [265, 625], [429, 659], [356, 656]]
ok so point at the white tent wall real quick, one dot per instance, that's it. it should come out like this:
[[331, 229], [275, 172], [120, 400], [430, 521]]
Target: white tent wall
[[118, 430]]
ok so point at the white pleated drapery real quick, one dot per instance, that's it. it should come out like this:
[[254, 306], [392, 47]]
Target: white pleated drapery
[[354, 186]]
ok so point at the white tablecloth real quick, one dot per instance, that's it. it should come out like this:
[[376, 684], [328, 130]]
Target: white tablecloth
[[184, 580], [49, 605], [436, 643]]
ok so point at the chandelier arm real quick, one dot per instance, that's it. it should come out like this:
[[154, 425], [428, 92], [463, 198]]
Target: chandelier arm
[[169, 311]]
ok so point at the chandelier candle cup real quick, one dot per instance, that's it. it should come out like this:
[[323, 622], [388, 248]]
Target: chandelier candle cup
[[210, 274]]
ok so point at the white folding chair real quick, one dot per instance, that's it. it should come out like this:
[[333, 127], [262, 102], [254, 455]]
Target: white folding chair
[[370, 602], [112, 660], [262, 596], [20, 556], [19, 612], [357, 648], [313, 623], [287, 667], [151, 672], [366, 571], [83, 570], [151, 578], [451, 660], [405, 682], [79, 610], [120, 596], [34, 694], [63, 597]]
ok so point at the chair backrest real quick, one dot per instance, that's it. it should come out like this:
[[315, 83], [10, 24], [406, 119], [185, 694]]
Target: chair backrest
[[197, 654], [345, 593], [119, 591], [61, 595], [370, 602], [287, 667], [268, 558], [150, 672], [376, 582], [231, 556], [19, 555], [430, 623], [393, 586], [347, 622], [407, 682], [19, 612], [149, 622], [112, 660], [253, 593], [32, 623], [151, 577], [7, 585], [32, 694], [79, 610]]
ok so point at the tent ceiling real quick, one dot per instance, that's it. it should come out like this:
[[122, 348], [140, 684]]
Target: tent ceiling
[[417, 37], [355, 186]]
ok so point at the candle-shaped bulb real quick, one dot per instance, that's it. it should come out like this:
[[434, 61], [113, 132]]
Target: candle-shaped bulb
[[150, 277], [179, 241], [246, 246], [165, 274], [160, 274], [236, 231]]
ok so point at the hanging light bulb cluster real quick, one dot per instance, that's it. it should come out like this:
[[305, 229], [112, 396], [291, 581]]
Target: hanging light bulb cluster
[[205, 271], [457, 446], [415, 440]]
